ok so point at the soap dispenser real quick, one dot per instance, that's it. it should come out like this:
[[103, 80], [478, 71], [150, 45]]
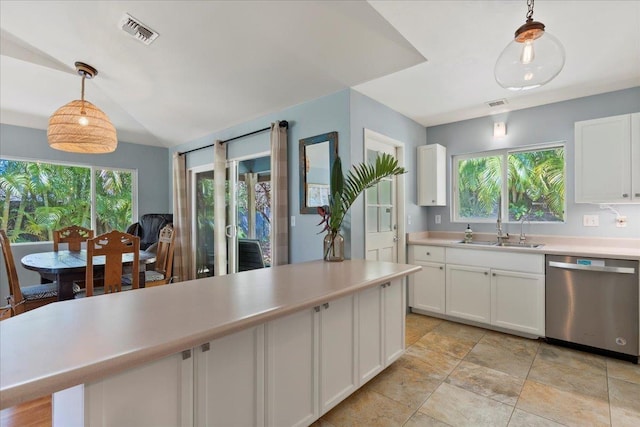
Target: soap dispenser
[[468, 234]]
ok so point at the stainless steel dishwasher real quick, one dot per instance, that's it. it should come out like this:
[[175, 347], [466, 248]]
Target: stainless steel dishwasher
[[593, 303]]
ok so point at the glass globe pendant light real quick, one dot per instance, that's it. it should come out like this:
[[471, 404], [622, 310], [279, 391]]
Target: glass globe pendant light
[[80, 126], [532, 59]]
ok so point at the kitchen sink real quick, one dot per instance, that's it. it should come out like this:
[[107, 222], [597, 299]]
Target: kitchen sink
[[503, 244], [478, 242], [520, 245]]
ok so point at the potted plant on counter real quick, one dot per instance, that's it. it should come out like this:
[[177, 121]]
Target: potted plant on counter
[[345, 191]]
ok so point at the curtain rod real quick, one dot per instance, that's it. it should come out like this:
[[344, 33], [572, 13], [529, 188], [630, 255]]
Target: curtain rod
[[282, 124]]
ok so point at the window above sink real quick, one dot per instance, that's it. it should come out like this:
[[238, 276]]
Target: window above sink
[[525, 184]]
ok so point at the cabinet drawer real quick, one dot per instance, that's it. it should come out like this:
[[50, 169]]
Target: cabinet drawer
[[426, 253]]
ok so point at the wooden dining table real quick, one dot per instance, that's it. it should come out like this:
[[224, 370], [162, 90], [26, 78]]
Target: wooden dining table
[[65, 267]]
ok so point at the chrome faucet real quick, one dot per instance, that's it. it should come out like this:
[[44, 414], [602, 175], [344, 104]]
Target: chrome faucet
[[501, 235], [525, 217]]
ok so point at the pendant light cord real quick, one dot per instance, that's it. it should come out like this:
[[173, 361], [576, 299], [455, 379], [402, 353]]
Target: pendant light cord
[[82, 110], [530, 11]]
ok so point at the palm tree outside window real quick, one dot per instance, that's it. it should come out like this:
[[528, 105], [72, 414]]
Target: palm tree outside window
[[38, 197], [531, 180]]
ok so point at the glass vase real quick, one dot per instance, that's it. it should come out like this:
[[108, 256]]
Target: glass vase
[[333, 247]]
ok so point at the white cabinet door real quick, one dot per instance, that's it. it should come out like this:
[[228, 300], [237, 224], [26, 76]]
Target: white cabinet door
[[381, 325], [394, 320], [431, 175], [338, 377], [517, 301], [635, 156], [370, 333], [427, 287], [603, 160], [159, 393], [229, 380], [291, 368], [468, 292]]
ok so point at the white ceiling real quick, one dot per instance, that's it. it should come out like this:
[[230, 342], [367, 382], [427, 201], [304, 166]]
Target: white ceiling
[[217, 64], [462, 40]]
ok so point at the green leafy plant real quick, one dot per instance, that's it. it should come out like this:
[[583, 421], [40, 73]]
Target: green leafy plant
[[345, 190]]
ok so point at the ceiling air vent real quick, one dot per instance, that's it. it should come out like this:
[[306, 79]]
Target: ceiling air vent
[[137, 29], [496, 103]]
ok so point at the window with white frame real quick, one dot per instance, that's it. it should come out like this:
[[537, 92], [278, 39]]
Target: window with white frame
[[39, 197], [527, 184]]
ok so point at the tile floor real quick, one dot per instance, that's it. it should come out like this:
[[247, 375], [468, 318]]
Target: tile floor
[[458, 375]]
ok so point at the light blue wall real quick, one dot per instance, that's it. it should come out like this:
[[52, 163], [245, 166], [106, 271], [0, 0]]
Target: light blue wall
[[369, 114], [326, 114], [547, 123], [150, 162]]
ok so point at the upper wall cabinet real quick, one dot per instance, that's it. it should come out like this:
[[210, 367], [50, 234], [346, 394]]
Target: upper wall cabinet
[[432, 175], [607, 167]]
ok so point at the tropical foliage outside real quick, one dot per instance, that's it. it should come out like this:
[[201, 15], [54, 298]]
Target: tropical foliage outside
[[37, 198], [535, 185]]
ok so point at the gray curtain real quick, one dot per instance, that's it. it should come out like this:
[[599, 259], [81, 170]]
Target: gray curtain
[[279, 196], [219, 214], [181, 220]]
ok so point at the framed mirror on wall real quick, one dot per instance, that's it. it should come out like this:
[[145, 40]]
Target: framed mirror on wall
[[317, 155]]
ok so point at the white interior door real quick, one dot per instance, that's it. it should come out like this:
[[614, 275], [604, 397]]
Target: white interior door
[[381, 213]]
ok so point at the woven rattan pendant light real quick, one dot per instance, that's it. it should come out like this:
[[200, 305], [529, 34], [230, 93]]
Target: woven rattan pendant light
[[80, 126]]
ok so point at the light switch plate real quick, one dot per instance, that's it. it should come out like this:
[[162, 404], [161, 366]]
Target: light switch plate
[[438, 219], [591, 220]]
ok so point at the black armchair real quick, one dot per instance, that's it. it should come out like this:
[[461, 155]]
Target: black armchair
[[149, 228]]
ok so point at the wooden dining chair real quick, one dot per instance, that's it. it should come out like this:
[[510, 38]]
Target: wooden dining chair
[[161, 274], [112, 246], [73, 236], [26, 298]]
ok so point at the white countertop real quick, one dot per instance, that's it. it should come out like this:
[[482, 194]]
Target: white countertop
[[555, 245], [73, 342]]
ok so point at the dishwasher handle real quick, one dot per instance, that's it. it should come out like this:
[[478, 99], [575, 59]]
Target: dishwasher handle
[[570, 266]]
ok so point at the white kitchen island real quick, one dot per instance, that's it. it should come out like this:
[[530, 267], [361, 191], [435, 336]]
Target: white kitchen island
[[277, 347]]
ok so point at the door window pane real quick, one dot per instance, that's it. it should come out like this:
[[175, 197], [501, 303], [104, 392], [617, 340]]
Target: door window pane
[[372, 219], [385, 191], [204, 218], [385, 218], [372, 155], [254, 203], [372, 195]]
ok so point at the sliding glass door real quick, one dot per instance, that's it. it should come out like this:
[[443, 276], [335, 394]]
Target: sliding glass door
[[253, 213], [248, 214]]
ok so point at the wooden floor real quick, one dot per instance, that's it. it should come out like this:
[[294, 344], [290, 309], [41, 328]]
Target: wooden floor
[[30, 414]]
